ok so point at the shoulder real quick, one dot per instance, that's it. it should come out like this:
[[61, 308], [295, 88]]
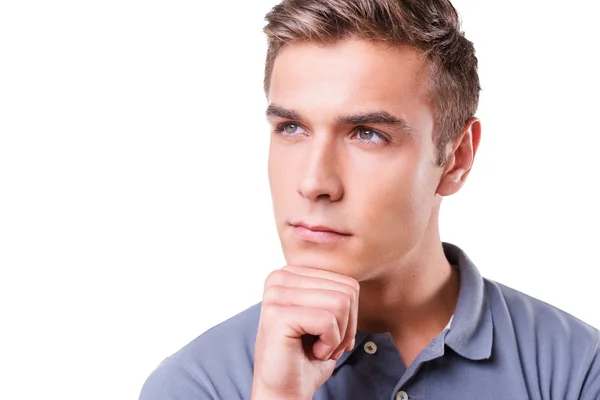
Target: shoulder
[[555, 347], [216, 364], [531, 313], [231, 339]]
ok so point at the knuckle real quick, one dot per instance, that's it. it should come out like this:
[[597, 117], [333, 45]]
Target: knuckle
[[349, 281], [270, 313], [355, 289], [331, 320], [351, 286], [276, 277], [272, 294], [290, 268], [330, 324], [337, 335], [342, 301], [351, 295]]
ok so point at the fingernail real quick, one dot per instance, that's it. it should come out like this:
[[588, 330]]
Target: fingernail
[[337, 355], [352, 343]]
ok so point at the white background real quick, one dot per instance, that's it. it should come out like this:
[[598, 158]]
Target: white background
[[134, 206]]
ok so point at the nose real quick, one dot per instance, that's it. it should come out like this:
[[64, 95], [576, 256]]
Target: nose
[[321, 179]]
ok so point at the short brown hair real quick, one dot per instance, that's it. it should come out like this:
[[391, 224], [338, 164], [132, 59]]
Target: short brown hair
[[431, 26]]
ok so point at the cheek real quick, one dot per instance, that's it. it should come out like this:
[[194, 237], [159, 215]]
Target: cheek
[[396, 201], [276, 170], [281, 179]]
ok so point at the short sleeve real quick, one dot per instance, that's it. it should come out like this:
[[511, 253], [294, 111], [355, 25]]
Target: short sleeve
[[172, 380], [591, 385]]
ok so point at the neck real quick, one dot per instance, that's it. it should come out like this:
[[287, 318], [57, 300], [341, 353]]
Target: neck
[[415, 300]]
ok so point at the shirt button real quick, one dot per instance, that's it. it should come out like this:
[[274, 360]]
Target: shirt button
[[401, 395], [370, 347]]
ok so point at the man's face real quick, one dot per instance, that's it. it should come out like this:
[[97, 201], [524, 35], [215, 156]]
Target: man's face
[[351, 151]]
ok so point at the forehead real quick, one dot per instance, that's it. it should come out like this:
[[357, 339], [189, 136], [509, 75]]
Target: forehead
[[351, 75]]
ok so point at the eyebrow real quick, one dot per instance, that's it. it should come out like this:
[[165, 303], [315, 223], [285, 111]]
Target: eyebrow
[[276, 111], [377, 117], [373, 117]]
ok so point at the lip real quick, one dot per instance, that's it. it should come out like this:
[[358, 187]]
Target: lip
[[318, 233]]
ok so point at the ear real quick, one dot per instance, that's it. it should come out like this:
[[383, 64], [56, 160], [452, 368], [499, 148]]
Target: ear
[[460, 154]]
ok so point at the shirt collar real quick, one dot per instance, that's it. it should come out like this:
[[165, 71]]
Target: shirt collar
[[470, 330]]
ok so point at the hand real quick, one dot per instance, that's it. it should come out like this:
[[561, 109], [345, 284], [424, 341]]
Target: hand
[[307, 321]]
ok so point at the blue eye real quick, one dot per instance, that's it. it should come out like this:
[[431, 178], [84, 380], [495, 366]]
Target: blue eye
[[289, 128], [368, 135]]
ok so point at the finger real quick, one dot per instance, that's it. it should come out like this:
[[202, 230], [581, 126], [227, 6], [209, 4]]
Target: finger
[[337, 302], [349, 336], [351, 329], [305, 277], [286, 278], [321, 273], [294, 322]]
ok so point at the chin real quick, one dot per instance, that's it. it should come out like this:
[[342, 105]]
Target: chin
[[343, 265]]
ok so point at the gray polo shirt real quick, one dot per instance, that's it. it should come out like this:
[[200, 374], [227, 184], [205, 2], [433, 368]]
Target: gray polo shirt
[[501, 344]]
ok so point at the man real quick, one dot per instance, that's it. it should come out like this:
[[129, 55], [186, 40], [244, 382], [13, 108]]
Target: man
[[372, 106]]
